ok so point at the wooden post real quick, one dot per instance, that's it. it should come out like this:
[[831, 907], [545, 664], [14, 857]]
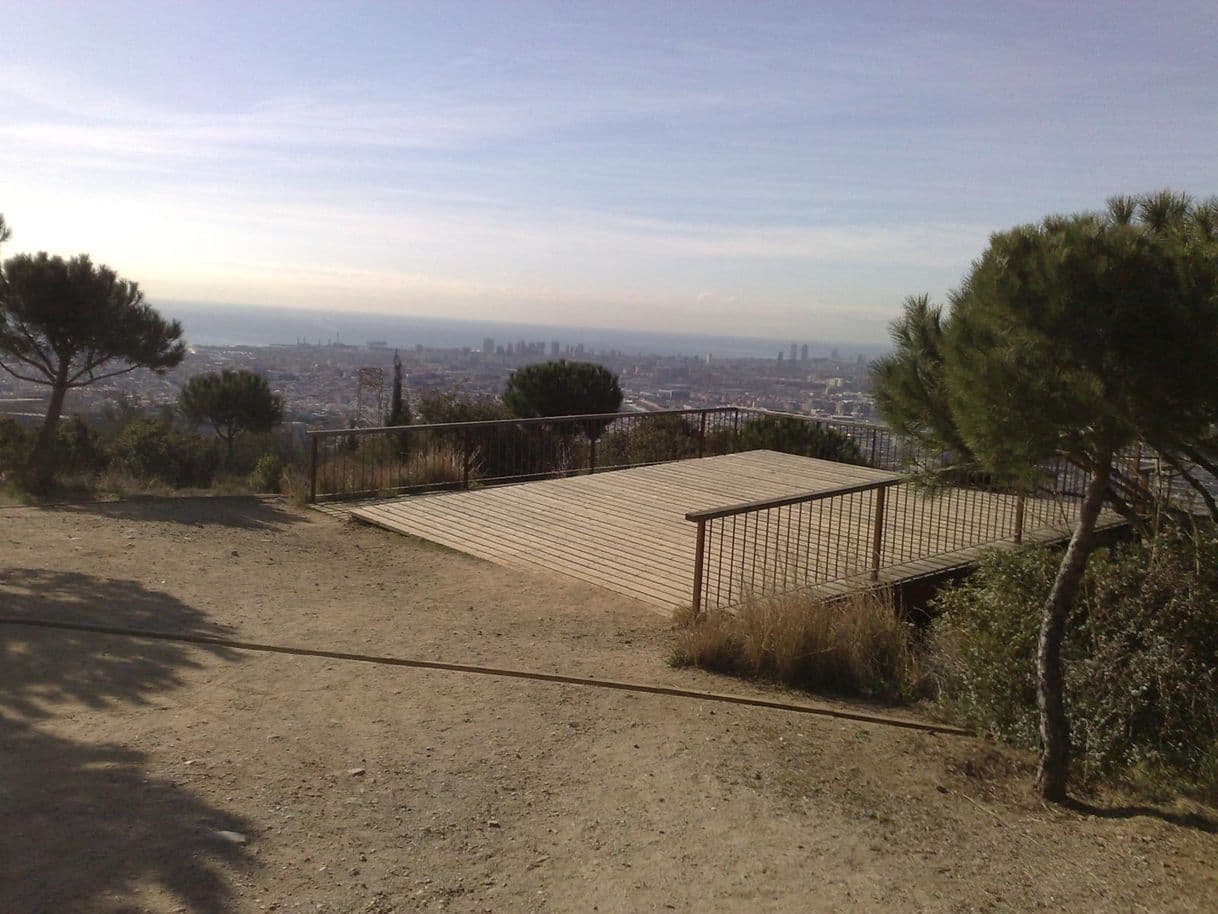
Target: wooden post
[[877, 533], [1019, 502], [313, 472], [702, 435], [699, 558], [591, 455]]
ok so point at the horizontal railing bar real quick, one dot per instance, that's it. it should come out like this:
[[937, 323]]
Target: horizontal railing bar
[[799, 498], [503, 423], [826, 420]]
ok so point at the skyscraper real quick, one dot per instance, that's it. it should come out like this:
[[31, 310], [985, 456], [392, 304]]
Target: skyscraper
[[803, 352], [794, 350], [488, 345]]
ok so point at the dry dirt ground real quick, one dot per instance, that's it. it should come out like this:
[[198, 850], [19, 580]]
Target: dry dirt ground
[[156, 776]]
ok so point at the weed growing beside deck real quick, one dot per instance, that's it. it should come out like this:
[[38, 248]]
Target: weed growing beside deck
[[853, 645]]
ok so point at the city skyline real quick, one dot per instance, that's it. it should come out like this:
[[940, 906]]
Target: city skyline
[[786, 171]]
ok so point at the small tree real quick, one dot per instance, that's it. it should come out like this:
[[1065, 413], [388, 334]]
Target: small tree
[[68, 323], [564, 388], [1077, 337], [232, 402], [399, 408]]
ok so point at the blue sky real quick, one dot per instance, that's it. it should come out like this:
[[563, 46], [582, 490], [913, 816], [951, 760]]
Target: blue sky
[[789, 170]]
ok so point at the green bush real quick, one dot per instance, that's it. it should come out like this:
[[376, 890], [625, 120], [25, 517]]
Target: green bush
[[15, 444], [80, 447], [268, 474], [651, 440], [150, 450], [1141, 655], [805, 437]]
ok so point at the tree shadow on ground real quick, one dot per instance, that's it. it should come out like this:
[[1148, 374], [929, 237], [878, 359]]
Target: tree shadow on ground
[[1193, 820], [85, 824], [241, 511]]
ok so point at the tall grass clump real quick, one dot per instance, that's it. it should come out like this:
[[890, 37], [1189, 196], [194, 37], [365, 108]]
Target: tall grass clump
[[853, 645]]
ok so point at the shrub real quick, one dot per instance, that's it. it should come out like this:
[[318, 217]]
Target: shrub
[[1141, 657], [80, 448], [804, 437], [150, 450], [267, 475], [448, 406], [15, 444], [858, 644], [438, 465], [650, 440]]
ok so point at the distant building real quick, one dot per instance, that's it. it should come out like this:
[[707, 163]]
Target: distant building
[[803, 353], [554, 349], [488, 345], [794, 350]]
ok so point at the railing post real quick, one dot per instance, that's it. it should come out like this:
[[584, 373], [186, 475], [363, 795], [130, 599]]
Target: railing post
[[702, 435], [1019, 503], [591, 455], [736, 429], [875, 440], [313, 471], [699, 558], [877, 533]]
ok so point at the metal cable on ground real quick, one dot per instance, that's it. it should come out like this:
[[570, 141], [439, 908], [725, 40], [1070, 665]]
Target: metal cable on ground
[[489, 671]]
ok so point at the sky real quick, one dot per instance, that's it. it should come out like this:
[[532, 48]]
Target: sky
[[756, 169]]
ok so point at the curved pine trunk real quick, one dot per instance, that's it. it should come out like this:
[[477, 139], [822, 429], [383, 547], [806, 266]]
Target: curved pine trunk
[[42, 459], [1053, 771]]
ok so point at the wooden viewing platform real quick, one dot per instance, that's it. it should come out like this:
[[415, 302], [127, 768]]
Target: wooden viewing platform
[[626, 530]]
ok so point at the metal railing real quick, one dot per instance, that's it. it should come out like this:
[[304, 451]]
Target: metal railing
[[854, 533], [361, 462], [389, 460], [877, 446]]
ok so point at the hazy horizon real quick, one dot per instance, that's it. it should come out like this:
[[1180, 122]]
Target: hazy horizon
[[778, 170], [229, 323]]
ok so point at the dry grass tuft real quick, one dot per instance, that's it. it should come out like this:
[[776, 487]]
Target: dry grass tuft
[[857, 644]]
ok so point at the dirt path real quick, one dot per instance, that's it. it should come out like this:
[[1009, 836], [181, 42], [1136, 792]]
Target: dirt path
[[131, 771]]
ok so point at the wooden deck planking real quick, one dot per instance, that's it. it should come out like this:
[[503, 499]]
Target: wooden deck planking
[[626, 530]]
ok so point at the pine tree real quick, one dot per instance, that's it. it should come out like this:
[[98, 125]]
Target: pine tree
[[1076, 337]]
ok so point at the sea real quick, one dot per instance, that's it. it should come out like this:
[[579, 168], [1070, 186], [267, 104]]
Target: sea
[[218, 324]]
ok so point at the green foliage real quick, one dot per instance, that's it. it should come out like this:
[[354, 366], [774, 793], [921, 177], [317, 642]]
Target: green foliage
[[437, 407], [797, 436], [563, 388], [70, 314], [495, 452], [399, 409], [232, 402], [1075, 338], [650, 439], [150, 450], [1141, 663], [68, 323], [399, 406], [985, 643], [15, 442], [1080, 335], [80, 448], [268, 474]]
